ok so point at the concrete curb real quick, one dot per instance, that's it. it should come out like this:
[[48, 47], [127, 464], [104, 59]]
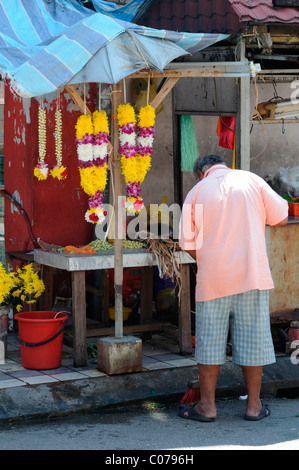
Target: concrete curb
[[92, 394]]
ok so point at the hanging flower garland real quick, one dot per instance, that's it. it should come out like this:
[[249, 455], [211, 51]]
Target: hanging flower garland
[[41, 171], [92, 139], [135, 150], [58, 171]]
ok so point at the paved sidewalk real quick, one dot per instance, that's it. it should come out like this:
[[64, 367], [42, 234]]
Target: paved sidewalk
[[29, 394]]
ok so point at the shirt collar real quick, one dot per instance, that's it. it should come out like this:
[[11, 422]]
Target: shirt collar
[[220, 166]]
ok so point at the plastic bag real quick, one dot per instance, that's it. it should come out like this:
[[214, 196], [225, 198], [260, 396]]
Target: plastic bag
[[285, 181]]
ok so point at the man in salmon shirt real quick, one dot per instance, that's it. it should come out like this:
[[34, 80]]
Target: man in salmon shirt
[[223, 227]]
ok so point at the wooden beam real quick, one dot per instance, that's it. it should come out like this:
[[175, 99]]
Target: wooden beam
[[198, 69], [77, 99], [244, 111], [167, 87], [152, 326], [178, 73]]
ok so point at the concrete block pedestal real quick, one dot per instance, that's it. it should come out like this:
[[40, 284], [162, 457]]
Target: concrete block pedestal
[[119, 355]]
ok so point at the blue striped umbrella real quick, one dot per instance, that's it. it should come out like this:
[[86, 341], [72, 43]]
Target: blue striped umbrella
[[47, 44]]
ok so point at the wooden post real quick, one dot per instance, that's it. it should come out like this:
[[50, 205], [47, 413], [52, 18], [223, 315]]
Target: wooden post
[[244, 117], [79, 318], [185, 312], [146, 307], [118, 225]]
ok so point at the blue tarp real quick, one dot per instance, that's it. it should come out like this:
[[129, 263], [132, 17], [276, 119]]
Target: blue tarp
[[128, 12], [46, 44]]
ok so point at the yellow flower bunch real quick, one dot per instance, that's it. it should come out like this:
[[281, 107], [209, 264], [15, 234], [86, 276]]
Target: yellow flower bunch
[[7, 283], [59, 172], [20, 286], [41, 173], [135, 169], [146, 116], [93, 179], [84, 125], [125, 114], [100, 122]]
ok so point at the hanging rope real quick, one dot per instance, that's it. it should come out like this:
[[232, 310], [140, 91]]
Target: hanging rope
[[125, 91], [100, 96], [84, 97], [257, 114], [148, 89], [138, 48]]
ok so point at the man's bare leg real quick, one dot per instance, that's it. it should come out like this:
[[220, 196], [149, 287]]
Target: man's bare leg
[[208, 376], [253, 381]]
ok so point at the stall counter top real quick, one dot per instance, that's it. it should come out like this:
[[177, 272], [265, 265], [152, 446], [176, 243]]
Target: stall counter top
[[82, 262]]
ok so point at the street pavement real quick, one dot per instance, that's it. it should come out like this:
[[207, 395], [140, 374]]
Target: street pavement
[[151, 432], [169, 383]]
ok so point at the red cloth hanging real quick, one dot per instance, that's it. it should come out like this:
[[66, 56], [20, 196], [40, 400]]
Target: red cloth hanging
[[226, 131]]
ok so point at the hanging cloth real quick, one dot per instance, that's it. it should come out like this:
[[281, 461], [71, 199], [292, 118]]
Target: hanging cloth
[[189, 143], [226, 132], [227, 135]]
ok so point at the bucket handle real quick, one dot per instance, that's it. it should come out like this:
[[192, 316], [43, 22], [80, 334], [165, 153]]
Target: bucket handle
[[32, 345]]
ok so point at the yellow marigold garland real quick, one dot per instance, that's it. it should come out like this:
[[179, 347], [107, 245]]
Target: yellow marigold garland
[[135, 150], [92, 139]]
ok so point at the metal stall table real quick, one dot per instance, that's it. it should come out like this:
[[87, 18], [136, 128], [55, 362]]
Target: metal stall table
[[78, 264]]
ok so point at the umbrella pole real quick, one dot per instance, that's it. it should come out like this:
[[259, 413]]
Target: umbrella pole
[[118, 214], [119, 354]]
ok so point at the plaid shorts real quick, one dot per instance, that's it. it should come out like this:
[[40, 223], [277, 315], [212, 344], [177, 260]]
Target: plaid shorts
[[247, 318]]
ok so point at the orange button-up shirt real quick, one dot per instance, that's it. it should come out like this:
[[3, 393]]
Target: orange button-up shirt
[[223, 219]]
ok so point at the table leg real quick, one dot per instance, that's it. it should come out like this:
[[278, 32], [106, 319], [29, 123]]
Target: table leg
[[146, 299], [79, 318], [185, 312], [47, 299], [105, 297], [9, 263]]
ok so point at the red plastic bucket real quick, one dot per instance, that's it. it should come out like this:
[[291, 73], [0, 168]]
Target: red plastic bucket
[[41, 338]]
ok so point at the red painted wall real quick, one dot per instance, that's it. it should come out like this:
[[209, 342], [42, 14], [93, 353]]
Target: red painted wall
[[55, 208]]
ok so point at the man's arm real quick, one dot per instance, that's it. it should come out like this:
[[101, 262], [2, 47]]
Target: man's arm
[[191, 253], [282, 222]]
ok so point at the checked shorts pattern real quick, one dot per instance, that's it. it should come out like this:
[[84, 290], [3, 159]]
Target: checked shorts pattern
[[246, 316]]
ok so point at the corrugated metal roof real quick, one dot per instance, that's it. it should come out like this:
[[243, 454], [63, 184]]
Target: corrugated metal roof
[[262, 11], [193, 16], [214, 16]]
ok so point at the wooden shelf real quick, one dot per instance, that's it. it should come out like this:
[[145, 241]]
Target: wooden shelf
[[275, 121]]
